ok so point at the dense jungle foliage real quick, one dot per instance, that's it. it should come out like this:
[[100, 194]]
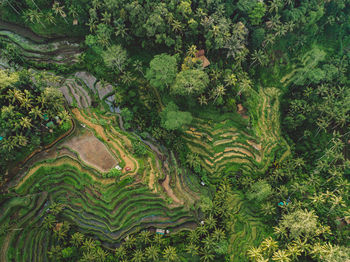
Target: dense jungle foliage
[[150, 52]]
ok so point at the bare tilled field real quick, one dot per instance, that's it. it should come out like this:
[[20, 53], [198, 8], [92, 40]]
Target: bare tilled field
[[92, 151]]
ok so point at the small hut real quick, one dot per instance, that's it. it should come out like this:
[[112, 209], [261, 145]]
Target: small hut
[[201, 56], [160, 231]]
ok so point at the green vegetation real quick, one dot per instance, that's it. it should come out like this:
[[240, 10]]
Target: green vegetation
[[223, 123]]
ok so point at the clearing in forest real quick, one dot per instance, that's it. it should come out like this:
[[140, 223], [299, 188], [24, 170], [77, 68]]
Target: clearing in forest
[[92, 151]]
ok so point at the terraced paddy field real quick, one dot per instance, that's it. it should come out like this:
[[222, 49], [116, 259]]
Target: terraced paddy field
[[150, 195], [245, 228], [226, 144], [39, 49]]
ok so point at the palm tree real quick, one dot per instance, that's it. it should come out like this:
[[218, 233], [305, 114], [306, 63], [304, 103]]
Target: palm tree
[[50, 18], [269, 39], [130, 242], [219, 91], [56, 208], [138, 256], [254, 253], [202, 230], [120, 30], [259, 57], [281, 256], [152, 253], [25, 122], [9, 144], [230, 80], [275, 5], [76, 239], [193, 236], [101, 254], [27, 101], [21, 140], [106, 17], [268, 209], [245, 83], [192, 249], [59, 10], [34, 16], [55, 252], [138, 67], [36, 112], [88, 257], [15, 94], [274, 22], [127, 78], [202, 100], [210, 222], [49, 221], [219, 234], [144, 237], [89, 245], [281, 30], [269, 245], [120, 252], [177, 26], [206, 255], [92, 24], [280, 232], [158, 240], [7, 111], [192, 51], [170, 254], [294, 251], [208, 242], [64, 116], [60, 234]]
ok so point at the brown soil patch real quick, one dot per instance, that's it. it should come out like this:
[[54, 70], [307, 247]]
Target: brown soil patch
[[242, 111], [199, 142], [223, 141], [239, 149], [209, 162], [169, 191], [255, 145], [100, 131], [228, 155], [92, 151], [230, 134], [217, 154]]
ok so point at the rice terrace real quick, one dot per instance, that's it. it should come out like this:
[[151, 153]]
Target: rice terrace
[[176, 130]]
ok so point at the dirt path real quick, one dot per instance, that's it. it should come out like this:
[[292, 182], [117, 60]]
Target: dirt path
[[169, 191], [59, 162], [151, 176], [100, 131]]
